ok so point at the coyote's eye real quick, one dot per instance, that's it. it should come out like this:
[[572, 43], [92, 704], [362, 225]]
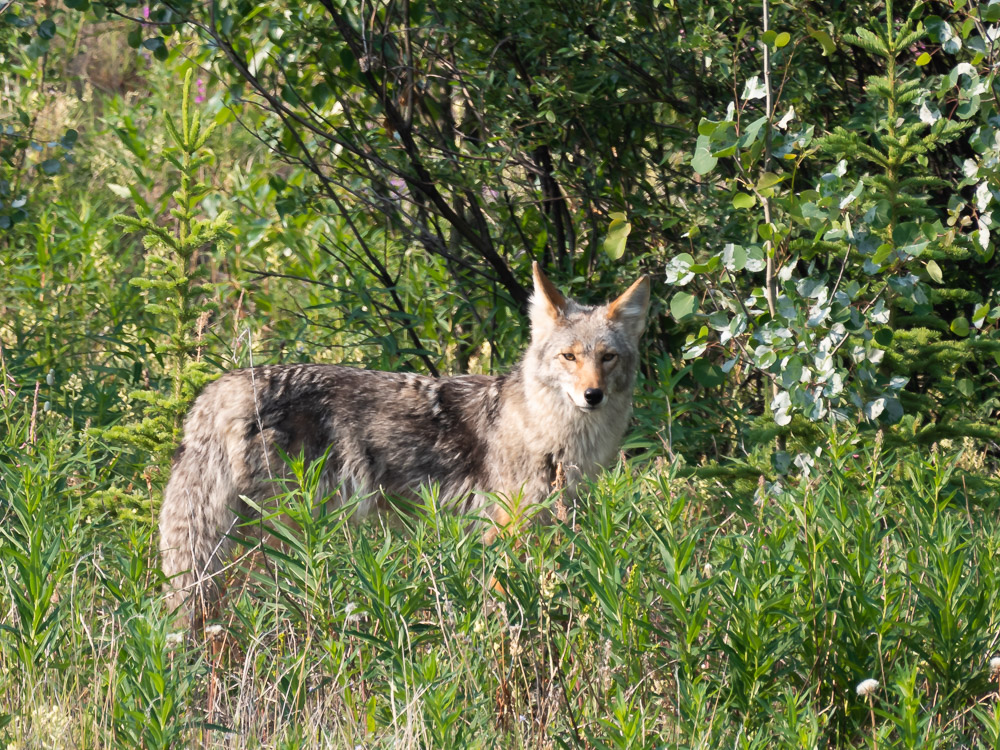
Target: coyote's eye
[[608, 357], [569, 356]]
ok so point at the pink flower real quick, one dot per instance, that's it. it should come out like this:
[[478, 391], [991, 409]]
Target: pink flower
[[145, 12], [200, 97]]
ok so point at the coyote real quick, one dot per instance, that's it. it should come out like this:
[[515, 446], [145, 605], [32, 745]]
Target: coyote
[[562, 410]]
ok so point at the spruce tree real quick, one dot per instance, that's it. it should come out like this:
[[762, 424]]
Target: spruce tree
[[176, 290], [933, 344]]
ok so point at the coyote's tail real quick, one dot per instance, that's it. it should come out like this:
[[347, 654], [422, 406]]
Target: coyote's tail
[[195, 518]]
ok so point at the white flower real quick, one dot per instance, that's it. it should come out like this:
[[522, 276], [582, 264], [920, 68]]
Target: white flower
[[211, 631], [174, 639], [74, 386], [866, 687], [547, 585], [995, 667]]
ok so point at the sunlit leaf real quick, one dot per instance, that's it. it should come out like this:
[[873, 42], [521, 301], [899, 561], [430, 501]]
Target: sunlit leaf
[[683, 305], [618, 231], [934, 271]]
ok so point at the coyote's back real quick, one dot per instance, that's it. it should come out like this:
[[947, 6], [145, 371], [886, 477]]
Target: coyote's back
[[566, 404]]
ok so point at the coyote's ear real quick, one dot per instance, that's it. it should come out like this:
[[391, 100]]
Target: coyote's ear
[[547, 303], [630, 308]]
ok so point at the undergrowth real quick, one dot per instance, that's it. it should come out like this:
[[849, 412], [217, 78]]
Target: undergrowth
[[666, 612]]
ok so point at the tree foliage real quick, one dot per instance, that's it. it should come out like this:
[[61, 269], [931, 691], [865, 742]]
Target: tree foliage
[[814, 187], [174, 291], [817, 186]]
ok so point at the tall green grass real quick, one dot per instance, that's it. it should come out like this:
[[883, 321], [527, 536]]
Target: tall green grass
[[667, 612]]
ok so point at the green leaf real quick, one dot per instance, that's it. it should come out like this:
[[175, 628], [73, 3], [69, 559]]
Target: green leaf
[[707, 374], [707, 267], [881, 254], [69, 139], [883, 337], [50, 166], [320, 93], [769, 179], [743, 200], [968, 108], [883, 213], [960, 326], [618, 231], [157, 46], [906, 233], [934, 271], [706, 126], [769, 36], [752, 132], [939, 30], [791, 375], [923, 59], [735, 257], [873, 408], [46, 29], [703, 162], [825, 41], [719, 321], [782, 39], [964, 76], [683, 305]]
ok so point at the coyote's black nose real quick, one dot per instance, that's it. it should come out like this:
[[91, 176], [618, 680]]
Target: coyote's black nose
[[593, 396]]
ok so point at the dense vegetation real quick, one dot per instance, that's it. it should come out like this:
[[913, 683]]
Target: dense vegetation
[[809, 499]]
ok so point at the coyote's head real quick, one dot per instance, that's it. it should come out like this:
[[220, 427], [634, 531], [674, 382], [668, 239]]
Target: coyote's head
[[589, 353]]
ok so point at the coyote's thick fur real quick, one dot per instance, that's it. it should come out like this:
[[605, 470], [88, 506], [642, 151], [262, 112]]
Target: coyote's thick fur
[[566, 404]]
